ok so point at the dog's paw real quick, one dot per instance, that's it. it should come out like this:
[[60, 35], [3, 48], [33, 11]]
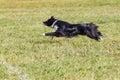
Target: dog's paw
[[43, 34], [100, 39]]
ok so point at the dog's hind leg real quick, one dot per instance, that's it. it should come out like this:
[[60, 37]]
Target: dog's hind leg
[[90, 35], [100, 34]]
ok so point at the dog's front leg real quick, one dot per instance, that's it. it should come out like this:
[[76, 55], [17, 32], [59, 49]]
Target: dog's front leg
[[52, 34], [49, 34]]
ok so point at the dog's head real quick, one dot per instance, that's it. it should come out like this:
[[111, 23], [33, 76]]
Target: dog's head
[[50, 21]]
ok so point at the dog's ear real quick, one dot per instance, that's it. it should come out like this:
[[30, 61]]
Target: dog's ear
[[52, 17]]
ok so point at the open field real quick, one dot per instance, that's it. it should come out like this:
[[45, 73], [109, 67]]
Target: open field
[[26, 55]]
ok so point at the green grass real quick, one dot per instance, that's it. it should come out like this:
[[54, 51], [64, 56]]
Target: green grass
[[40, 58]]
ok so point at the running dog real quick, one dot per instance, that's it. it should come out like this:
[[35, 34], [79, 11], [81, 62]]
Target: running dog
[[65, 29]]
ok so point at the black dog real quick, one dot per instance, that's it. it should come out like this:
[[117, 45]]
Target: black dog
[[65, 29]]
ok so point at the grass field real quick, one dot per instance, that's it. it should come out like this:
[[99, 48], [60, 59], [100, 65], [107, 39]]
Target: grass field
[[39, 58]]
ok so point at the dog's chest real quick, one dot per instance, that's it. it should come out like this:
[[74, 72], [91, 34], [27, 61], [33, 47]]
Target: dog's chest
[[55, 27]]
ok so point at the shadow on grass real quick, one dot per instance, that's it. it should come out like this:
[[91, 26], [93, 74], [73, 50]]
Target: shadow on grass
[[47, 42]]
